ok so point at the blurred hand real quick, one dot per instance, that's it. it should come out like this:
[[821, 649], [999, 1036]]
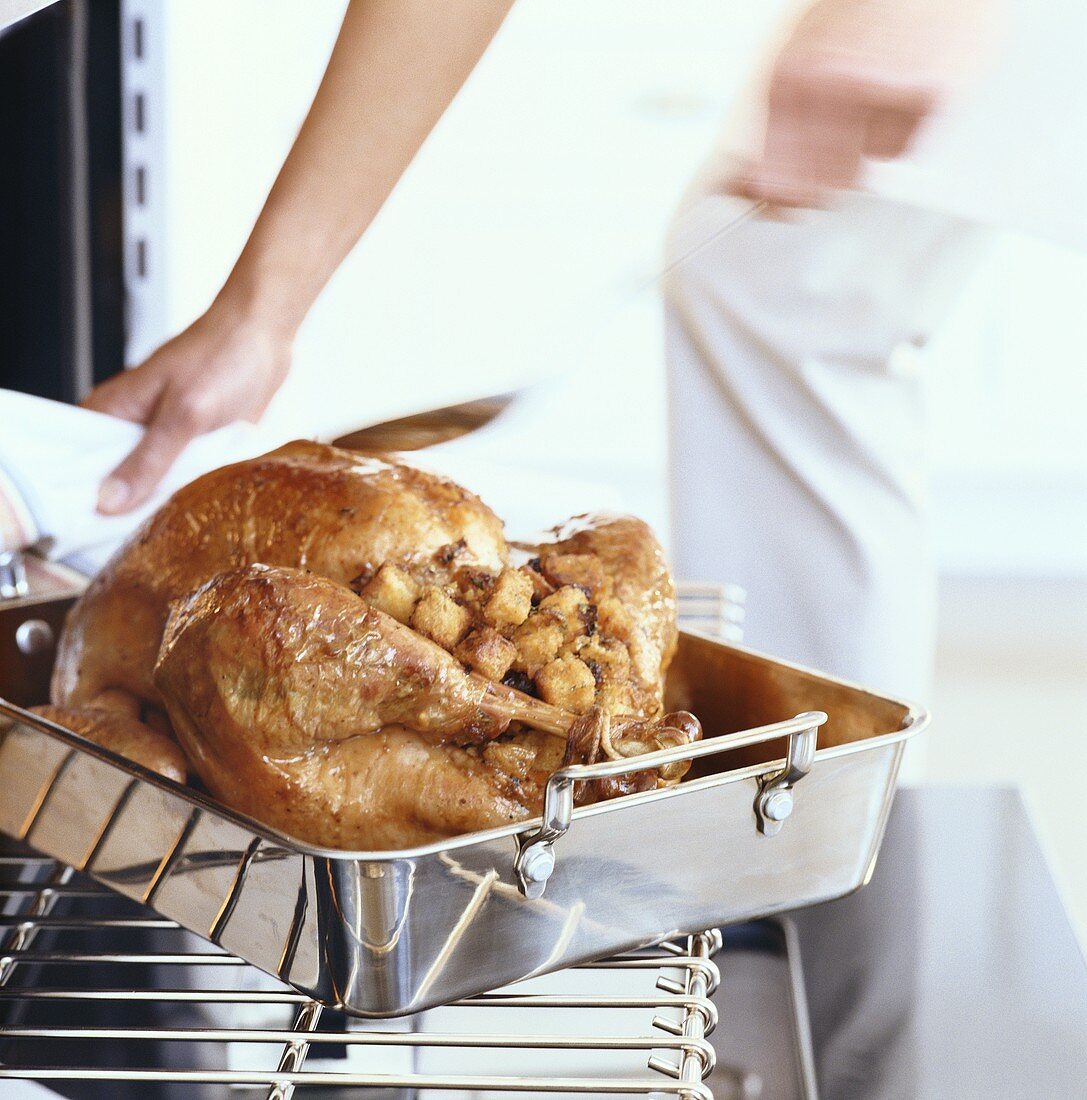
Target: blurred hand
[[220, 369], [856, 79]]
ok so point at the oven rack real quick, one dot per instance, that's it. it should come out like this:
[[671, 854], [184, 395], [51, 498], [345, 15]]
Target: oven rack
[[712, 608], [59, 931]]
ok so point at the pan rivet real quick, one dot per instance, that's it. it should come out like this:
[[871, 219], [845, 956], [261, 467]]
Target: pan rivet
[[538, 863], [778, 806]]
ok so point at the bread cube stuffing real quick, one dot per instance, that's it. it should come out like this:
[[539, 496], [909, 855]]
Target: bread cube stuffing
[[608, 658], [485, 651], [571, 605], [510, 601], [538, 641], [392, 590], [614, 620], [441, 618], [584, 570], [567, 682], [541, 586], [609, 662]]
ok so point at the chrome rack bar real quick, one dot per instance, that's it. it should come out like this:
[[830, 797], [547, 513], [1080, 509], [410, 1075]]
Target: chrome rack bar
[[675, 1044]]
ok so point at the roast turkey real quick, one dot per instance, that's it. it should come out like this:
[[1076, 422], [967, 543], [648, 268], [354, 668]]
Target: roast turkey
[[348, 649]]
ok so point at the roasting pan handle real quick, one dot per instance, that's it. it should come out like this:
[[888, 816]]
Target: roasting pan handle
[[535, 859]]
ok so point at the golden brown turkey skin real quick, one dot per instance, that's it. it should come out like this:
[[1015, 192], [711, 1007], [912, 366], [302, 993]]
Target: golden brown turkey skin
[[307, 505], [301, 705], [292, 659], [383, 790], [123, 734]]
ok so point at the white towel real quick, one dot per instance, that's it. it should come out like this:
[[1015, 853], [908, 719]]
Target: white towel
[[53, 458]]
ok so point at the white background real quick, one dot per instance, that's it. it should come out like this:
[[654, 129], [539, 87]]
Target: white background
[[519, 241]]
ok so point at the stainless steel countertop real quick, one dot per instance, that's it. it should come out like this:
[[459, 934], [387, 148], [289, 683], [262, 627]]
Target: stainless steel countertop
[[955, 974]]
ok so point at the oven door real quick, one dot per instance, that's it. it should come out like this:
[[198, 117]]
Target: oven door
[[62, 300], [62, 325]]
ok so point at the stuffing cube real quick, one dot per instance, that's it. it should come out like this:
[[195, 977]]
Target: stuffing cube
[[392, 590], [568, 683], [609, 654], [510, 601], [572, 606], [538, 641], [485, 651], [614, 620], [441, 618], [541, 586], [608, 660], [584, 570]]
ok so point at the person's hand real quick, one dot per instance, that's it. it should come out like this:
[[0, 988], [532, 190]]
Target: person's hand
[[220, 369], [856, 79]]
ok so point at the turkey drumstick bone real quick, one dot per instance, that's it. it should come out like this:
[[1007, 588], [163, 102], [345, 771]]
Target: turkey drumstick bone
[[596, 733]]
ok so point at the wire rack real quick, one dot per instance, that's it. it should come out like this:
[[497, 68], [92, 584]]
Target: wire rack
[[73, 954], [712, 608]]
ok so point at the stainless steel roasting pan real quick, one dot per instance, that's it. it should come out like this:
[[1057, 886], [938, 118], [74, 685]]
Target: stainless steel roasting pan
[[764, 823]]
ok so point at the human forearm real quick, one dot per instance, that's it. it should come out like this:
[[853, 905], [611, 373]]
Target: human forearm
[[396, 66]]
